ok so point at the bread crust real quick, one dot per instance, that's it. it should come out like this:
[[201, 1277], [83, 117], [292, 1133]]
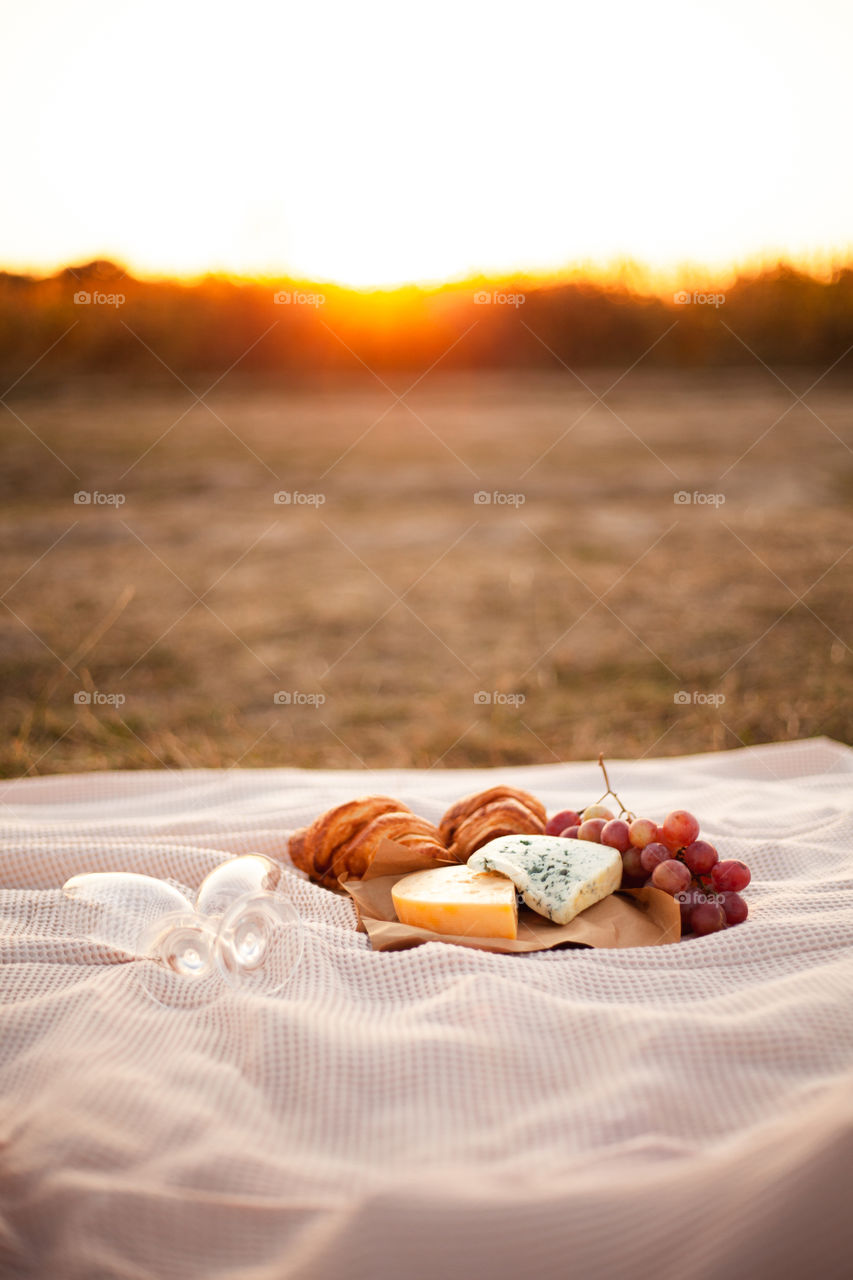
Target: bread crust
[[506, 817], [468, 805], [343, 842]]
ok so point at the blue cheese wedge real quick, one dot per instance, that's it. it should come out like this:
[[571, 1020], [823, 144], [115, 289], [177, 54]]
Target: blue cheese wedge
[[559, 878]]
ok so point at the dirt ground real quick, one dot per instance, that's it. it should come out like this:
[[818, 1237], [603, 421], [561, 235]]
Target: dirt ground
[[386, 617]]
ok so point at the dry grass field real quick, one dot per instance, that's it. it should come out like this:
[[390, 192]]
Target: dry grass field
[[579, 611]]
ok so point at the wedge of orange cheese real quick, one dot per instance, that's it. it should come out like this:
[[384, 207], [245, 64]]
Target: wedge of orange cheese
[[458, 901]]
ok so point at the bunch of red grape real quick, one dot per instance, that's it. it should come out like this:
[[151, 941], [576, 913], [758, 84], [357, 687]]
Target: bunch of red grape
[[671, 857]]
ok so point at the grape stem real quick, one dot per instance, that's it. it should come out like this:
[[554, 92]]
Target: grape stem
[[623, 811]]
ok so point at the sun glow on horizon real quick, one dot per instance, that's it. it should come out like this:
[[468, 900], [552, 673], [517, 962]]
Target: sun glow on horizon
[[374, 148]]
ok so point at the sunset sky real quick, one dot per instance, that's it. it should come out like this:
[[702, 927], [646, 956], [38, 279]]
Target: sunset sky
[[377, 143]]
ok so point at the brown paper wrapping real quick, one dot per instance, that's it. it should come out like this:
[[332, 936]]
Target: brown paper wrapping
[[644, 917]]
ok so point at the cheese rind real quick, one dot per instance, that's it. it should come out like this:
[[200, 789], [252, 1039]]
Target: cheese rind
[[557, 877], [458, 900]]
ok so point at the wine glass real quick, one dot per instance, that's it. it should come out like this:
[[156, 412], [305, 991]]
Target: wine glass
[[239, 928], [259, 934], [151, 918]]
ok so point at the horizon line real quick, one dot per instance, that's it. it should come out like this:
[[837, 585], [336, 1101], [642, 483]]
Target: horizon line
[[625, 274]]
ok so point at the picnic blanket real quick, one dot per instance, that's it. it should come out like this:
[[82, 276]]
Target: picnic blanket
[[676, 1111]]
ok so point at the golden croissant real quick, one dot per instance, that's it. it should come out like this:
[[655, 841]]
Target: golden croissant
[[343, 841]]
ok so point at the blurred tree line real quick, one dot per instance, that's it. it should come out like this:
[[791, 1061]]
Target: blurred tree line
[[104, 321]]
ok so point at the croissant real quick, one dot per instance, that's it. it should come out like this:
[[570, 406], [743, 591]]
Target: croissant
[[505, 817], [345, 839], [404, 827], [336, 826], [457, 813], [298, 853]]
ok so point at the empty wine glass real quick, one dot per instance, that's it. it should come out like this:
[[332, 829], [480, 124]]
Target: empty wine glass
[[259, 935], [239, 928], [149, 917]]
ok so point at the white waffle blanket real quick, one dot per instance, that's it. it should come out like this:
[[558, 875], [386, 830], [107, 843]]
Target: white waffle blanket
[[680, 1111]]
